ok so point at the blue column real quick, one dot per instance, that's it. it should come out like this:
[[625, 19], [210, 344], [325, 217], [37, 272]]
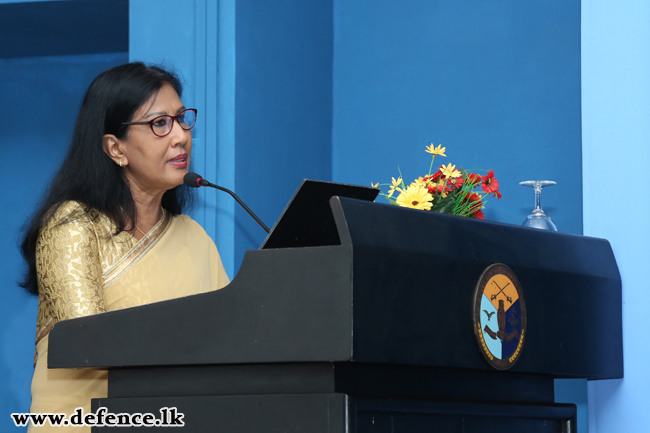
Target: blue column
[[616, 149]]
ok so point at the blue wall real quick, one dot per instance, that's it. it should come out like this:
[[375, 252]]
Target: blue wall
[[56, 28], [283, 106], [497, 83], [616, 136], [41, 97]]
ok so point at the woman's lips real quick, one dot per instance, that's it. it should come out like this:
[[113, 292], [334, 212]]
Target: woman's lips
[[180, 161]]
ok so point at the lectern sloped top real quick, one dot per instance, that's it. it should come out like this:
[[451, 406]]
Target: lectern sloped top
[[398, 288]]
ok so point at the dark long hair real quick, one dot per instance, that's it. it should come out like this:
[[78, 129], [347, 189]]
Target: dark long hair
[[87, 174]]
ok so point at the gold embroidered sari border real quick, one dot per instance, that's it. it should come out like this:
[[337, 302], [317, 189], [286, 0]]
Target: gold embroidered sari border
[[138, 251], [45, 329]]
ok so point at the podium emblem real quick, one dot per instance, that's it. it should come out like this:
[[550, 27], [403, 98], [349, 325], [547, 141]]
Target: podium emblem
[[499, 316]]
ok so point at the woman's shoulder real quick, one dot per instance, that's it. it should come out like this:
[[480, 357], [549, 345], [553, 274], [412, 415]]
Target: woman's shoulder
[[186, 220], [190, 225], [70, 213], [73, 209]]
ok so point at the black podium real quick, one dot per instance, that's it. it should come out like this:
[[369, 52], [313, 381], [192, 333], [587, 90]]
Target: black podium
[[364, 326]]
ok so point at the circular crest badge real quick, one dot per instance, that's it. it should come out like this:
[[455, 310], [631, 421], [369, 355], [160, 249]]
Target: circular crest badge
[[499, 316]]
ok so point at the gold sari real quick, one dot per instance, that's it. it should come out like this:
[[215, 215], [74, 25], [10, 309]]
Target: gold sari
[[83, 269]]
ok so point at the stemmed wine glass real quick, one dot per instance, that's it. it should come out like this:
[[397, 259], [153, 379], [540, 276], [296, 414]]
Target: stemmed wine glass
[[538, 219]]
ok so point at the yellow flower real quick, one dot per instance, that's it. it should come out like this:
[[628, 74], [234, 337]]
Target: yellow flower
[[449, 170], [395, 186], [436, 150], [416, 197], [374, 185], [419, 181]]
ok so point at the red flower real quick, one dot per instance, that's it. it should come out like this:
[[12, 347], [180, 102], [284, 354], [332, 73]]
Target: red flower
[[490, 184], [474, 179], [435, 189], [474, 206], [455, 183], [435, 177], [497, 195], [475, 200]]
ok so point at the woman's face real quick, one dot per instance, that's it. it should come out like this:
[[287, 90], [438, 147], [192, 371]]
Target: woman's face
[[157, 164]]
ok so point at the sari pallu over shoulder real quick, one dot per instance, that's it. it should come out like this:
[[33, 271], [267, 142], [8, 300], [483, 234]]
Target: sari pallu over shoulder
[[77, 253], [138, 251]]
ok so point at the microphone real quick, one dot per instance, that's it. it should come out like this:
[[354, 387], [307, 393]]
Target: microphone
[[195, 180]]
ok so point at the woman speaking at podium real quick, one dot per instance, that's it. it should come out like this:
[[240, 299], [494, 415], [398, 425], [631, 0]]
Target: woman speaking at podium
[[109, 233]]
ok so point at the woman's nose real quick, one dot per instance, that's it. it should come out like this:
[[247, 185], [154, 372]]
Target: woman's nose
[[177, 134]]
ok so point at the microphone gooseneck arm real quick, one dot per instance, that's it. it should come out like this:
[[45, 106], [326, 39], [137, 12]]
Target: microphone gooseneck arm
[[250, 212], [194, 180]]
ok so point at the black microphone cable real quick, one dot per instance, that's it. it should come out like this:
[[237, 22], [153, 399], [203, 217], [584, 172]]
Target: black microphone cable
[[195, 180]]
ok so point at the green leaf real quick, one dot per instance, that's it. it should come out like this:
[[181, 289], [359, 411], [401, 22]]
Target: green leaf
[[443, 205]]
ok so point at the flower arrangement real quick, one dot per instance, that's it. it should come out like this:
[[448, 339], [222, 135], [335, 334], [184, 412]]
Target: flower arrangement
[[449, 190]]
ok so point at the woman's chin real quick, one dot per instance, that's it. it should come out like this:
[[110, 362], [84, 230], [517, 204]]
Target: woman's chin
[[178, 176]]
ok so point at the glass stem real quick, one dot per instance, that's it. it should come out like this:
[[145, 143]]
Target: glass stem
[[538, 199]]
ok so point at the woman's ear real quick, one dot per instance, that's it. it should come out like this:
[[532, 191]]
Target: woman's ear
[[114, 150]]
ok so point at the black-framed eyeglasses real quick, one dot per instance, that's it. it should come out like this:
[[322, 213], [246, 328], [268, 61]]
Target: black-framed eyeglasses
[[162, 125]]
